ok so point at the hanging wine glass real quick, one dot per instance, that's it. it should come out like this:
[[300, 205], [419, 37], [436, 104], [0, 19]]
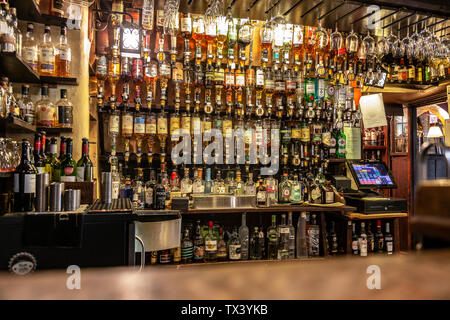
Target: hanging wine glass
[[382, 47], [368, 45], [335, 40], [391, 39], [407, 44], [320, 37], [433, 46], [415, 43], [398, 47], [352, 42]]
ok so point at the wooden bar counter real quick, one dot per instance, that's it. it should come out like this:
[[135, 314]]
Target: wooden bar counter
[[411, 276]]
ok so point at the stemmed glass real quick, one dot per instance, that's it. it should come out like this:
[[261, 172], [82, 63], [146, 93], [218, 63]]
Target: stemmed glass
[[415, 44], [320, 37], [352, 42], [398, 47], [407, 43], [368, 45], [391, 40], [382, 47], [335, 40]]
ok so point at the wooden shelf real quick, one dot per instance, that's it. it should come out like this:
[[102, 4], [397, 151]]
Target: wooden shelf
[[374, 147], [337, 160], [28, 10], [16, 69], [52, 131], [362, 216], [59, 80], [15, 125]]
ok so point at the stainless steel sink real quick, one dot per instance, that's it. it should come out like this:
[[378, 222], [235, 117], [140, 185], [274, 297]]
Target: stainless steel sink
[[222, 201]]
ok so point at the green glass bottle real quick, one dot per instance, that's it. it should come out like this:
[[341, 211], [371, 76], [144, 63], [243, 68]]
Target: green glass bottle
[[68, 165], [85, 167], [284, 189], [53, 160], [341, 145]]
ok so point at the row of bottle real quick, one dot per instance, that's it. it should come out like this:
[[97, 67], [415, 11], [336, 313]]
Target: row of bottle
[[41, 159], [373, 137], [158, 194], [278, 242], [367, 243], [43, 113]]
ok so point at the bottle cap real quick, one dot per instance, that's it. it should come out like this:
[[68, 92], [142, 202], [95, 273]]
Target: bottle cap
[[210, 224]]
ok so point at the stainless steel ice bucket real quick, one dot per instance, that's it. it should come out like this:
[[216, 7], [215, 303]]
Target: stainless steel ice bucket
[[221, 201], [159, 230]]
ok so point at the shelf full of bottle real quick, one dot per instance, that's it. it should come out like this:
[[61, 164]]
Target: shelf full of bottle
[[47, 62], [374, 147], [283, 237], [52, 116], [42, 158]]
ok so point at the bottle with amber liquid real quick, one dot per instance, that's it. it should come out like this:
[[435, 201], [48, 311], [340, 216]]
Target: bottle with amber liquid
[[63, 56]]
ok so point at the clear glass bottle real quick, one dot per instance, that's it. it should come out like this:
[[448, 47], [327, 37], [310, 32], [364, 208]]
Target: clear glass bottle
[[231, 183], [198, 186], [219, 183], [221, 247], [186, 184], [187, 248], [26, 106], [63, 55], [7, 36], [137, 185], [16, 30], [239, 184], [250, 188], [283, 239], [45, 109], [261, 194], [29, 49], [313, 237], [272, 190], [47, 64], [389, 240], [199, 244], [244, 236], [363, 241], [291, 237], [208, 181], [234, 246]]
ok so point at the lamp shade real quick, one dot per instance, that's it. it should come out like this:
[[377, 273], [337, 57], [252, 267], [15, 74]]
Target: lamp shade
[[435, 132]]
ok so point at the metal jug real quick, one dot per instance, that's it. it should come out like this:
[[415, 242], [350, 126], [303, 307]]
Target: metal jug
[[432, 198]]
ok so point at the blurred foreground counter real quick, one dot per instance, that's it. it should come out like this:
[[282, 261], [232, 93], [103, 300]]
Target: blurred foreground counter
[[412, 276]]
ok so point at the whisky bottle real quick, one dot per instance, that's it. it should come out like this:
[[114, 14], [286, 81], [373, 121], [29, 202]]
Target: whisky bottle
[[47, 54], [63, 56]]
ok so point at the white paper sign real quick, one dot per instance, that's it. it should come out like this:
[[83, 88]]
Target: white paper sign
[[372, 110]]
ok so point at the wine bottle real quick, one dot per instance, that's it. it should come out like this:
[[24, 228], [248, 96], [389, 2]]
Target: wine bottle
[[24, 181], [68, 165], [38, 160], [84, 165]]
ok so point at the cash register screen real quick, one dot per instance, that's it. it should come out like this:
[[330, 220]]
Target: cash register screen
[[372, 175]]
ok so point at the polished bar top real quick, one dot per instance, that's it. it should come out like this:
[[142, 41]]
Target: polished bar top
[[405, 276], [278, 208]]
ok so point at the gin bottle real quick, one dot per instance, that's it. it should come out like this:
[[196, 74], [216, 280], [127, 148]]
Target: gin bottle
[[283, 239], [313, 237], [210, 245], [244, 236]]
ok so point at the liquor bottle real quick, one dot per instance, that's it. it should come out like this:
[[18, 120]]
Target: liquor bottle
[[291, 237], [44, 157], [313, 237], [341, 145], [198, 186], [46, 113], [84, 165], [232, 34], [332, 240], [210, 245], [208, 181], [363, 241], [149, 190], [221, 247], [24, 181], [239, 184], [30, 52], [53, 158], [302, 246], [249, 187], [355, 241], [297, 190], [379, 239], [255, 252], [199, 245], [65, 111], [186, 184], [198, 34], [283, 239], [187, 248], [219, 184], [159, 195], [370, 238], [47, 54], [63, 56], [38, 160], [138, 199], [26, 106], [234, 246], [68, 165], [272, 240], [285, 189], [164, 257], [244, 236], [328, 196], [261, 194], [388, 240], [271, 185], [56, 171]]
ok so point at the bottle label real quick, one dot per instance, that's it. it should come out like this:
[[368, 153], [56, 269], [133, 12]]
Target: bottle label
[[30, 55], [127, 124], [284, 230], [187, 252], [305, 134], [315, 193], [198, 252], [389, 247], [211, 245], [68, 178], [286, 193], [150, 125], [326, 138], [115, 190], [329, 197], [149, 196], [259, 78], [29, 183], [363, 245], [186, 24], [355, 245], [162, 125], [229, 79], [234, 251], [114, 122], [64, 54], [47, 59], [40, 169], [240, 80], [46, 116], [80, 174]]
